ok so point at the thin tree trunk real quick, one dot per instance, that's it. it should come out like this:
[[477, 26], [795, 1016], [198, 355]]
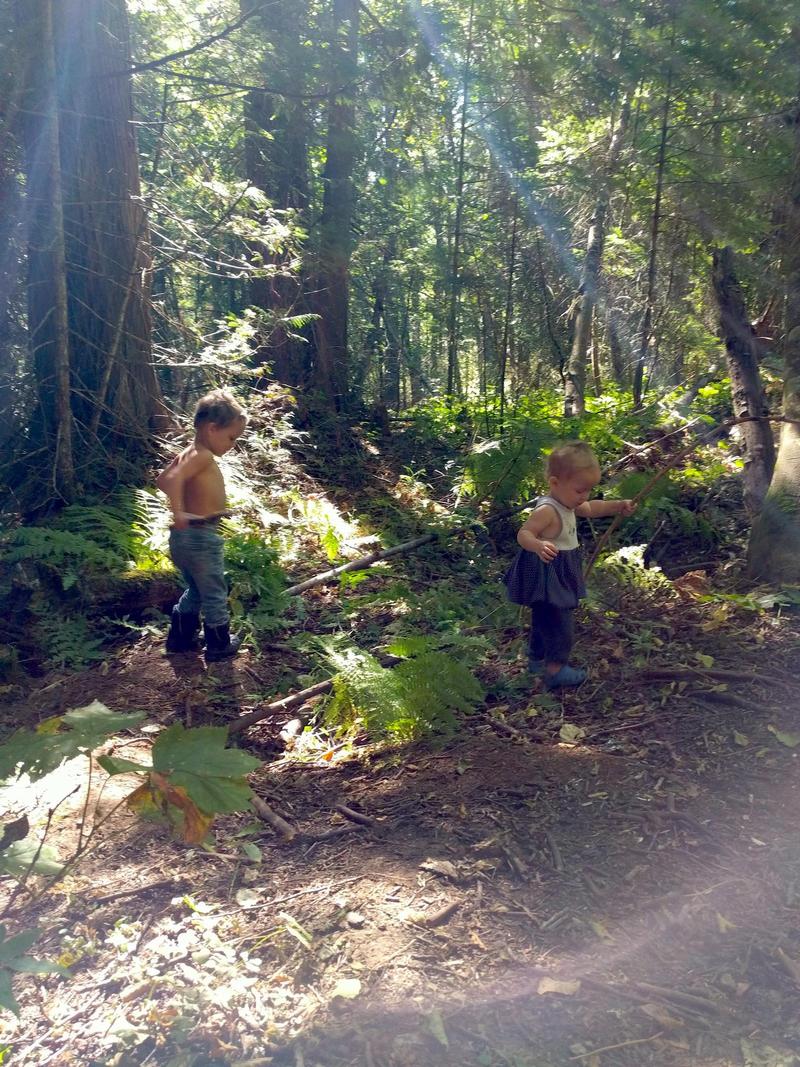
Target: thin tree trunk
[[512, 258], [655, 225], [575, 384], [558, 351], [774, 549], [276, 151], [455, 280], [335, 242], [746, 388], [615, 346]]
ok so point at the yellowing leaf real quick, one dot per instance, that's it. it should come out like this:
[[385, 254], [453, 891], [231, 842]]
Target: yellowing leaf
[[724, 925], [347, 988], [741, 739], [557, 985], [600, 929], [51, 725], [790, 740], [570, 732]]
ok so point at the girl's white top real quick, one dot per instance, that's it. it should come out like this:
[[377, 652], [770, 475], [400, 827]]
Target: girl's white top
[[568, 534]]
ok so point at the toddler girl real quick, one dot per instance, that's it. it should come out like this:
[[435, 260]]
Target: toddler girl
[[546, 575]]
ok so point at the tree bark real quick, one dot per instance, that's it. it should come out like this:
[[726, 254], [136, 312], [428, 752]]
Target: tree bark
[[455, 267], [655, 227], [746, 389], [47, 265], [332, 289], [276, 162], [512, 260], [575, 382], [774, 549], [90, 301]]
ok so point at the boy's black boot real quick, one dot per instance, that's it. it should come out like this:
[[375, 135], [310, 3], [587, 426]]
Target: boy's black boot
[[184, 631], [219, 643]]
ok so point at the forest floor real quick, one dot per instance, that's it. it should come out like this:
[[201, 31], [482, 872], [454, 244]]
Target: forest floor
[[610, 877]]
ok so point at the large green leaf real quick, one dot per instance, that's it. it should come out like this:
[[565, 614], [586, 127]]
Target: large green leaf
[[61, 738], [17, 859], [212, 794], [116, 765], [197, 761], [7, 999], [12, 958], [200, 751]]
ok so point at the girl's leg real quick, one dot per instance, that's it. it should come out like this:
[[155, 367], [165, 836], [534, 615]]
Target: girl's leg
[[536, 641], [562, 635], [558, 647]]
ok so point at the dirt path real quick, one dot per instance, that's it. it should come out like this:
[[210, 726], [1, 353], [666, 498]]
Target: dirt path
[[517, 899]]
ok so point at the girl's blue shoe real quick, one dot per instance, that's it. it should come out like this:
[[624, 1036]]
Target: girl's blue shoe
[[535, 666], [567, 676]]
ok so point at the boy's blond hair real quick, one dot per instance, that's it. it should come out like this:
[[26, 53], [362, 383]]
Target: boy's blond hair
[[569, 458], [219, 407]]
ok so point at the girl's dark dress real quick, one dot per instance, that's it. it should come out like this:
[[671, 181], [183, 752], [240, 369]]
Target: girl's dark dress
[[551, 590]]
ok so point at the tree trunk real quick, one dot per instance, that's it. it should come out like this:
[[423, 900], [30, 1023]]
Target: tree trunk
[[331, 302], [746, 388], [615, 346], [97, 290], [512, 259], [655, 226], [774, 550], [276, 162], [47, 266], [455, 279], [575, 383]]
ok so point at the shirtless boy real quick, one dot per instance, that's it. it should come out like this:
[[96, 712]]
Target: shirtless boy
[[193, 482]]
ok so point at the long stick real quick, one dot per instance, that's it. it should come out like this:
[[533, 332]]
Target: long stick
[[285, 704], [376, 557]]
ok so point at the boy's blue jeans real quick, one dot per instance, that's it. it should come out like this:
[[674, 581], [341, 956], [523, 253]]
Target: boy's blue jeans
[[197, 553]]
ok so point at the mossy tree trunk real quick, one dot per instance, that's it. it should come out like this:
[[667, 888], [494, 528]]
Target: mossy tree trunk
[[575, 382], [774, 550], [747, 391]]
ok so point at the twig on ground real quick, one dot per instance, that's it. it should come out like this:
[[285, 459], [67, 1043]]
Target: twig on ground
[[354, 816], [558, 862], [622, 1044], [277, 822]]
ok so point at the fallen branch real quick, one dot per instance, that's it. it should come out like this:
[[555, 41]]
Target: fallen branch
[[363, 562], [692, 673], [439, 917], [622, 1044], [353, 816], [277, 822], [284, 704]]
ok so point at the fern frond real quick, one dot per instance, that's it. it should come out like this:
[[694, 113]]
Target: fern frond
[[418, 696]]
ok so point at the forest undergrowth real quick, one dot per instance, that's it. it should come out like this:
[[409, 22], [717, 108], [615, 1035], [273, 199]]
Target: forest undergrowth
[[606, 876]]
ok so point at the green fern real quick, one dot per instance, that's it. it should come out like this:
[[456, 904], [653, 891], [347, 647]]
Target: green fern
[[64, 553], [418, 696], [132, 524], [68, 642]]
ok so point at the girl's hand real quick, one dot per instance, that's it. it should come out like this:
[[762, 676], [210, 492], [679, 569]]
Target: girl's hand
[[546, 551], [627, 507]]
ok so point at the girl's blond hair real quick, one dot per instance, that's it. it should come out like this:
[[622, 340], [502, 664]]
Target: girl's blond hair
[[568, 458]]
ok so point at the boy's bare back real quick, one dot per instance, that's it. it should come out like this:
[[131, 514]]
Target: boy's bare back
[[194, 484]]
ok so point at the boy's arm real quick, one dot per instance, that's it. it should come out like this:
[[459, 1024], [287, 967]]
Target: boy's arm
[[172, 482], [598, 509], [530, 534]]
